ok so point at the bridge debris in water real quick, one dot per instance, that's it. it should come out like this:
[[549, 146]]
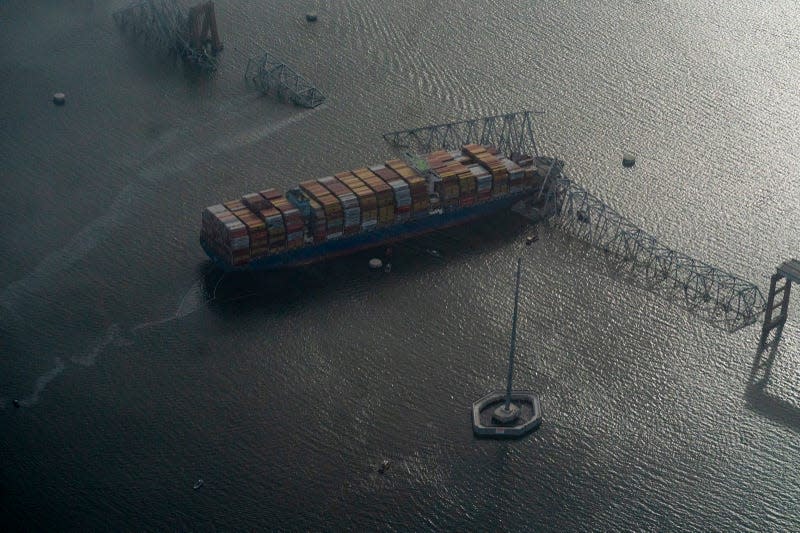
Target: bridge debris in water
[[162, 25], [711, 293], [269, 74]]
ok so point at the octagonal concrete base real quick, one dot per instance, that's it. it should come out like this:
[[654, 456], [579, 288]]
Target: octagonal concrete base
[[529, 418]]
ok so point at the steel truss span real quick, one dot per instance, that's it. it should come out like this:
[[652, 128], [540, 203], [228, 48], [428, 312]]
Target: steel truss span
[[269, 74], [712, 294], [512, 132]]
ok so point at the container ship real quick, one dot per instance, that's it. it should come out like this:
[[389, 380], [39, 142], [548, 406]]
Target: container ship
[[367, 207]]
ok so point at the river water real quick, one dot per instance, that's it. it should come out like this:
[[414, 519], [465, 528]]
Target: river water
[[139, 370]]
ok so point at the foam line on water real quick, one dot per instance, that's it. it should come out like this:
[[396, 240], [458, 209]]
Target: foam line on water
[[42, 382], [191, 301], [112, 334], [40, 278]]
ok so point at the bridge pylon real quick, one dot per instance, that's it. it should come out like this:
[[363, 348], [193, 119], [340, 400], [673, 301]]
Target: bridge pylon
[[779, 289]]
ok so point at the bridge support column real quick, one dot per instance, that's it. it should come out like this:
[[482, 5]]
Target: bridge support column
[[779, 290]]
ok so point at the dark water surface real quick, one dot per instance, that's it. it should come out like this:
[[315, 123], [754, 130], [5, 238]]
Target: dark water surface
[[140, 371]]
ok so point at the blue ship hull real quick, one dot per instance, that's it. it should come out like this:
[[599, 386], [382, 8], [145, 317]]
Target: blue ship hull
[[314, 253]]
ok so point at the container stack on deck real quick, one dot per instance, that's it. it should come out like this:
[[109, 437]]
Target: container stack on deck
[[416, 184], [226, 235], [487, 158], [273, 218], [332, 208], [515, 174], [350, 209], [363, 212], [458, 184], [256, 228], [384, 197], [366, 199], [483, 182], [400, 189]]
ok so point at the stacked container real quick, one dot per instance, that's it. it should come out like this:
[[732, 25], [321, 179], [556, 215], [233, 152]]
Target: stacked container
[[293, 221], [276, 229], [320, 210], [226, 235], [334, 219], [312, 213], [525, 161], [384, 196], [416, 184], [483, 182], [457, 186], [355, 197], [318, 227], [256, 228], [515, 174], [402, 194], [350, 209], [490, 162]]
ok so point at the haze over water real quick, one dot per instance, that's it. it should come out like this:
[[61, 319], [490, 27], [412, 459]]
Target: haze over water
[[140, 371]]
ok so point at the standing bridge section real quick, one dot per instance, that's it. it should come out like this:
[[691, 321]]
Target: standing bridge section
[[163, 25], [712, 293]]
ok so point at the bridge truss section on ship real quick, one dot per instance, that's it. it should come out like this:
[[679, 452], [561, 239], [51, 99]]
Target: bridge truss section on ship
[[710, 293], [269, 74], [512, 132]]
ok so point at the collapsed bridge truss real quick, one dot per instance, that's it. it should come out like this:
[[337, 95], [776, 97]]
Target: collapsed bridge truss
[[710, 293]]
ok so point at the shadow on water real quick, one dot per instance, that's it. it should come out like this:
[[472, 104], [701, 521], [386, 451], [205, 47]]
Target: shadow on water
[[237, 292], [760, 400]]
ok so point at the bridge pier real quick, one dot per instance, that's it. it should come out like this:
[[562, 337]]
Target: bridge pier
[[780, 288]]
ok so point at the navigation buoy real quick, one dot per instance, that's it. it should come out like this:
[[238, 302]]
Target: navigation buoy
[[628, 160], [375, 263], [59, 98], [311, 16]]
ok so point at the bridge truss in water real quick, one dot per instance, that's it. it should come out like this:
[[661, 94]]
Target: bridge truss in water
[[710, 293], [162, 25], [267, 73]]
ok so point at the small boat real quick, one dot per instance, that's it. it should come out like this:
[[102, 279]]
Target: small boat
[[198, 484], [384, 466], [434, 253]]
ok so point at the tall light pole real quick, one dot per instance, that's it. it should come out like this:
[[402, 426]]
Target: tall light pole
[[509, 412]]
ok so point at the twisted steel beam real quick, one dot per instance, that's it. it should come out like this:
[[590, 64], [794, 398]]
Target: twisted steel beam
[[269, 74], [711, 293]]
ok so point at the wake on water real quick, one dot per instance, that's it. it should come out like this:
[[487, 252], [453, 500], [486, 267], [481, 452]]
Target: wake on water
[[89, 237]]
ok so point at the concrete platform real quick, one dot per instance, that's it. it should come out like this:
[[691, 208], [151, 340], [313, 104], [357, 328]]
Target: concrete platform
[[484, 424]]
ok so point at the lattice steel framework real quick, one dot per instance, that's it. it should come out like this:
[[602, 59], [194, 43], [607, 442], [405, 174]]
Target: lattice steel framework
[[713, 294], [512, 132], [269, 74], [163, 25]]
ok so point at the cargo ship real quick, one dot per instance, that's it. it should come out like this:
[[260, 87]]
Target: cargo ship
[[367, 207]]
